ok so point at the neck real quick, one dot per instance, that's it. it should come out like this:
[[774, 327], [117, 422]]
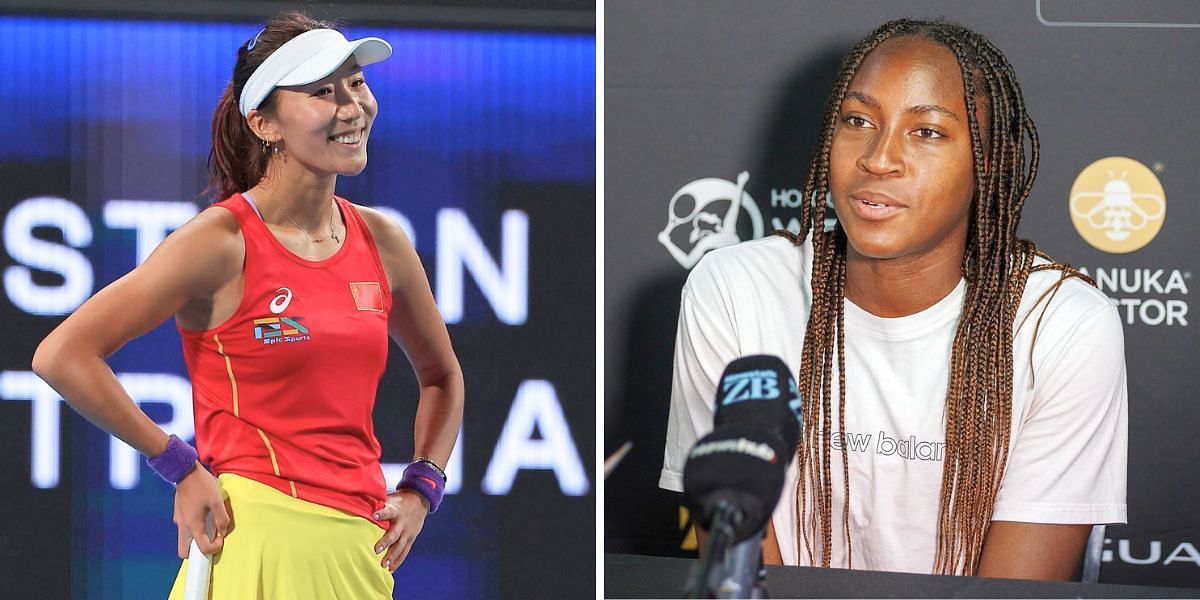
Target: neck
[[291, 191], [903, 286]]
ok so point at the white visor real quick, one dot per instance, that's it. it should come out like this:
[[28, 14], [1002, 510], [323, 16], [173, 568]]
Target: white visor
[[306, 58]]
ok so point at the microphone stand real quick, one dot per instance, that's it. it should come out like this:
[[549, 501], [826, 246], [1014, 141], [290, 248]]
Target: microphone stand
[[744, 571], [725, 572]]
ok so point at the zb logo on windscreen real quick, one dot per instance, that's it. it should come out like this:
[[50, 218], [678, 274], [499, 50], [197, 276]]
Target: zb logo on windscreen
[[750, 385], [759, 385]]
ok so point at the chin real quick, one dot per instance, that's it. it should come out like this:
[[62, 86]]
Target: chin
[[877, 245], [354, 169]]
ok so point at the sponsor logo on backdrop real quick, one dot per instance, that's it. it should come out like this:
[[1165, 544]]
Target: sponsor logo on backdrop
[[1154, 552], [704, 214], [791, 198], [1146, 296], [1117, 204]]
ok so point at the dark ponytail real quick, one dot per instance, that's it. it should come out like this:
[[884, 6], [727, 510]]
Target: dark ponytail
[[238, 159]]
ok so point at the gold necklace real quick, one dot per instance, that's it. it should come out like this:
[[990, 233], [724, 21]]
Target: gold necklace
[[332, 234]]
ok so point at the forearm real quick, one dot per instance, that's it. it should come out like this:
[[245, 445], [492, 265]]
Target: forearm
[[89, 385], [1017, 550], [439, 417]]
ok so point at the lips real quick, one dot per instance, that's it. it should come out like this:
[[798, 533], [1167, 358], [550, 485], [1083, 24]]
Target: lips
[[872, 206], [349, 138]]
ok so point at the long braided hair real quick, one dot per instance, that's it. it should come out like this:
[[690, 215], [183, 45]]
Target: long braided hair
[[996, 265]]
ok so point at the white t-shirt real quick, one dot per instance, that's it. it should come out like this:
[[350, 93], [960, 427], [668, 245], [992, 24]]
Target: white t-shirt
[[1067, 458]]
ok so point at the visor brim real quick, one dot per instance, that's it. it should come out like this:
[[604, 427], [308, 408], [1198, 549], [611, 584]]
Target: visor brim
[[365, 51]]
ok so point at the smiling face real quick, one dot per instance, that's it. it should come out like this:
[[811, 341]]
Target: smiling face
[[323, 125], [901, 167]]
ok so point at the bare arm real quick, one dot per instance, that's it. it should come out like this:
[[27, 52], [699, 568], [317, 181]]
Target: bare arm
[[191, 264], [188, 265], [416, 325], [1032, 550]]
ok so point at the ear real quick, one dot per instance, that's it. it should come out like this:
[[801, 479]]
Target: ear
[[262, 126]]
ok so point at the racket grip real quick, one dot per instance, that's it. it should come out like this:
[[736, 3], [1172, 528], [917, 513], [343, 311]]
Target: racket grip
[[195, 587]]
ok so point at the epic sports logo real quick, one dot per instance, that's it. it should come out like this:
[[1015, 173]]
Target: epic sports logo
[[273, 330]]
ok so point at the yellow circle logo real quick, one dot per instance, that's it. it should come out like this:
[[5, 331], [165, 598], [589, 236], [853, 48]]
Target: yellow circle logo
[[1117, 204]]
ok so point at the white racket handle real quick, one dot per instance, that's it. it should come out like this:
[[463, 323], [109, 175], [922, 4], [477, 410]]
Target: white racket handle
[[195, 587]]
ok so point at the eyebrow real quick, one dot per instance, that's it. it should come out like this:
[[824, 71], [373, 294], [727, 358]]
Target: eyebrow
[[918, 109], [328, 79]]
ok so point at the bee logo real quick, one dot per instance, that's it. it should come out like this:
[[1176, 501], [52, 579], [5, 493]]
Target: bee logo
[[1117, 205]]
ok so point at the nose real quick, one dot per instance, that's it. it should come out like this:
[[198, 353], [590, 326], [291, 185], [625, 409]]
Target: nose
[[882, 155], [350, 105], [350, 109]]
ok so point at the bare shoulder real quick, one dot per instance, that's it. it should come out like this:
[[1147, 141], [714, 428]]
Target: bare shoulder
[[209, 249], [396, 251], [388, 234]]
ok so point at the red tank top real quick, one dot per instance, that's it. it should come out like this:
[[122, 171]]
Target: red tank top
[[284, 389]]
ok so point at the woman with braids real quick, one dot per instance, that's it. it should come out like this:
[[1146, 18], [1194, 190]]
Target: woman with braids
[[964, 396], [285, 296]]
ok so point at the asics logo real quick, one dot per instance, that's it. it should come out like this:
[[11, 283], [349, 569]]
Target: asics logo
[[280, 303]]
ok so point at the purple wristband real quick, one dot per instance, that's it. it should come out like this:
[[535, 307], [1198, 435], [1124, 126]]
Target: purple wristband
[[424, 479], [175, 462]]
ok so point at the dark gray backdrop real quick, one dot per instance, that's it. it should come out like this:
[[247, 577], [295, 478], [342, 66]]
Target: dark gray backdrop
[[699, 89]]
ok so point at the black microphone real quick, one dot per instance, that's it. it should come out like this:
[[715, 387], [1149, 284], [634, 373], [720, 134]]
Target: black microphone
[[737, 471], [759, 390], [734, 475]]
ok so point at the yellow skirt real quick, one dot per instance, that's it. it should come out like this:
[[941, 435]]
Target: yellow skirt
[[283, 547]]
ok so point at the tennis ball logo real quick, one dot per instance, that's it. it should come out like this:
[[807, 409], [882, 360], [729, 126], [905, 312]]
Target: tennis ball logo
[[1117, 204]]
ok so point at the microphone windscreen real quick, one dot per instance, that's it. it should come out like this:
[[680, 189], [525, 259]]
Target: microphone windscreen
[[760, 391], [741, 464]]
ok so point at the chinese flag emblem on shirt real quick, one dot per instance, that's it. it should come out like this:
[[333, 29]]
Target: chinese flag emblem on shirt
[[367, 295]]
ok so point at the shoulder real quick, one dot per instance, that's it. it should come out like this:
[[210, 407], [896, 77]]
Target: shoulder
[[213, 234], [766, 261], [214, 220], [201, 255], [216, 227], [1067, 315], [388, 235], [214, 245], [1052, 290]]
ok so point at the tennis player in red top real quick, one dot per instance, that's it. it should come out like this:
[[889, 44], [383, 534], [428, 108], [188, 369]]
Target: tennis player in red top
[[285, 297]]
